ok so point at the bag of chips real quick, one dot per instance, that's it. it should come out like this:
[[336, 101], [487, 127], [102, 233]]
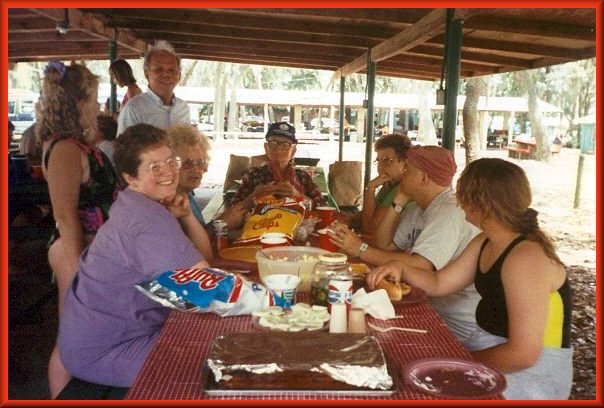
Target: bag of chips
[[210, 290], [272, 215]]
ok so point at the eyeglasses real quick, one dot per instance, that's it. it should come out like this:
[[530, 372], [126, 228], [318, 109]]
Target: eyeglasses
[[188, 164], [156, 167], [384, 161], [272, 145]]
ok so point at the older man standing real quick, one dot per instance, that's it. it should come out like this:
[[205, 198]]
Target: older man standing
[[424, 228], [158, 106]]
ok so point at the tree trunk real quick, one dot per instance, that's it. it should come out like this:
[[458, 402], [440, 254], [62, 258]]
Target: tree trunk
[[219, 100], [527, 81], [475, 87], [187, 75], [233, 123], [425, 130]]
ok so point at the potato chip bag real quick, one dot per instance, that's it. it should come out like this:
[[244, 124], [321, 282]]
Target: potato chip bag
[[272, 214], [210, 290]]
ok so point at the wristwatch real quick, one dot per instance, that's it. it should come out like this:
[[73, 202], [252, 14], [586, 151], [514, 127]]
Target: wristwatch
[[397, 207], [362, 249]]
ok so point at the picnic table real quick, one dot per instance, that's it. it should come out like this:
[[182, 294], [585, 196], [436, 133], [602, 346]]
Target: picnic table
[[175, 366], [524, 148]]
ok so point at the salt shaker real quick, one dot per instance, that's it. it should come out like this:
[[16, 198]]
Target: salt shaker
[[356, 320], [338, 320]]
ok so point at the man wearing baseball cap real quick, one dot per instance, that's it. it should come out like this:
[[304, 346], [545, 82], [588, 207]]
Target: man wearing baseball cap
[[425, 228], [278, 176]]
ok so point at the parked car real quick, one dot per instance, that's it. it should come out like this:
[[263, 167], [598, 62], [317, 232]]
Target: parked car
[[253, 124], [332, 126]]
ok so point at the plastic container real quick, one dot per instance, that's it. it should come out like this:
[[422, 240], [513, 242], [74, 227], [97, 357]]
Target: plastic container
[[331, 265], [293, 260]]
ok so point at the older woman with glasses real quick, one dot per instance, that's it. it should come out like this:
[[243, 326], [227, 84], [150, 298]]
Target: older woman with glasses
[[278, 177], [391, 154], [107, 326], [193, 149]]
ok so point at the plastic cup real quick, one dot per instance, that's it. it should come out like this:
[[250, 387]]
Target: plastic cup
[[324, 241], [338, 322], [273, 242], [283, 285], [327, 215], [356, 320]]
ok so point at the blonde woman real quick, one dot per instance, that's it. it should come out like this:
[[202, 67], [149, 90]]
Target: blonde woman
[[193, 149], [81, 179]]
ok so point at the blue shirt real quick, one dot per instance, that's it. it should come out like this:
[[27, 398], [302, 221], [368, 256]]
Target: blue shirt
[[196, 209]]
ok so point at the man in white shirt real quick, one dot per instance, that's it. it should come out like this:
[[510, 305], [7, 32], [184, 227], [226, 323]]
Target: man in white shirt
[[158, 106], [424, 228]]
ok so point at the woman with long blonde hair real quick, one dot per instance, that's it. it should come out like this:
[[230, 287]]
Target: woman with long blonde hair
[[81, 180]]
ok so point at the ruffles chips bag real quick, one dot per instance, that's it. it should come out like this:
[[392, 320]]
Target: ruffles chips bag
[[209, 290]]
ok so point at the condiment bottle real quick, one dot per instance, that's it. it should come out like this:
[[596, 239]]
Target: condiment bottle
[[331, 280]]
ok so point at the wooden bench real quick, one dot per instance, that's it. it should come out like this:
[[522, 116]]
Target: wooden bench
[[518, 153]]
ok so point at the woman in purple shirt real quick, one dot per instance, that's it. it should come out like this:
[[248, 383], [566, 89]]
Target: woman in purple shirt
[[107, 327]]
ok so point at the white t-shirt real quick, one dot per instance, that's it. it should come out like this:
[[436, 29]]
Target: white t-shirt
[[148, 108], [440, 233]]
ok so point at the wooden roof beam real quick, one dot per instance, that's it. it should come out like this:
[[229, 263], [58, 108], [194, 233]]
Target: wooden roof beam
[[430, 25], [427, 27], [94, 26]]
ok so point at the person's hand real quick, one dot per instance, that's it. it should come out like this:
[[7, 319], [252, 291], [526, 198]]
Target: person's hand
[[378, 181], [285, 189], [262, 190], [235, 215], [178, 205], [344, 238], [391, 269]]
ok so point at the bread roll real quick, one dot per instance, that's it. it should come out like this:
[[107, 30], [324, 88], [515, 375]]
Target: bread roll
[[395, 291]]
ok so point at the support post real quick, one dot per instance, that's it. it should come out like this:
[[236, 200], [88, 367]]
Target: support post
[[453, 40], [578, 185], [370, 116], [113, 95], [341, 117]]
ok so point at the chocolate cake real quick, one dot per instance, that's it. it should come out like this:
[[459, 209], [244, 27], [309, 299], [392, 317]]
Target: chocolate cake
[[298, 361]]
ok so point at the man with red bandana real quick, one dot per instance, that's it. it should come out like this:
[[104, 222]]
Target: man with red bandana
[[428, 233]]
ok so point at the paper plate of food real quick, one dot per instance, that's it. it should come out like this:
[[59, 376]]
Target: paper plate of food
[[301, 316], [399, 293], [402, 293]]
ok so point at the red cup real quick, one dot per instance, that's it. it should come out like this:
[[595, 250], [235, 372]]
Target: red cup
[[327, 215], [324, 241], [36, 172], [273, 242]]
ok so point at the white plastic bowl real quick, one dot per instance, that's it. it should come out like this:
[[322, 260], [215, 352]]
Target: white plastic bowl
[[293, 260]]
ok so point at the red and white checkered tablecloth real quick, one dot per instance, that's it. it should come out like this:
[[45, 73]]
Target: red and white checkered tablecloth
[[173, 370]]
